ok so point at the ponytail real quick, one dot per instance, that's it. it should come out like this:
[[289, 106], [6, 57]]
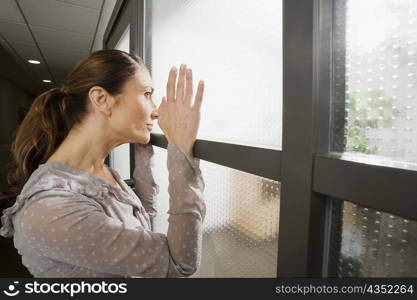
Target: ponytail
[[40, 133]]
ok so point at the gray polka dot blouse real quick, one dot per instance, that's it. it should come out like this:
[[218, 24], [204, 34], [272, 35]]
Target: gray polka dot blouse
[[68, 223]]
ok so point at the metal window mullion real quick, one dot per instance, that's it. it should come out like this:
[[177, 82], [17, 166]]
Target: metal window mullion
[[302, 212], [147, 35], [234, 156], [379, 187], [136, 47], [331, 74]]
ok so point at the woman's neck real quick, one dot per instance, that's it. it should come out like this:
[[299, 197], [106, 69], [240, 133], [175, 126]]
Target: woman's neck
[[86, 149]]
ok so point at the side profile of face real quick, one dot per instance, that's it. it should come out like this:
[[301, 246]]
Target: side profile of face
[[130, 115]]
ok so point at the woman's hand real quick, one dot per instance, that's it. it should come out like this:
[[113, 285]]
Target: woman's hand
[[178, 118]]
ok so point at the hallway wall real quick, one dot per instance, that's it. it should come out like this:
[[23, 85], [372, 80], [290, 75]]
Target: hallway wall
[[13, 101]]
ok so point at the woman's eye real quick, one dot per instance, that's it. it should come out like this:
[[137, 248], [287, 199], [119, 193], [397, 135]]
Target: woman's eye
[[148, 94]]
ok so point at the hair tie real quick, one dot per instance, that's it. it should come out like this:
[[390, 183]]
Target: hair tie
[[63, 89]]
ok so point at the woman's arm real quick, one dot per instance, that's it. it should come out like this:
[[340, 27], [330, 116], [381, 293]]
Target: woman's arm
[[145, 186]]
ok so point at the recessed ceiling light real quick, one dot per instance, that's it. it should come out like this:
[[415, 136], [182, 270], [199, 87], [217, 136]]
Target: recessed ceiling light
[[36, 62], [46, 80]]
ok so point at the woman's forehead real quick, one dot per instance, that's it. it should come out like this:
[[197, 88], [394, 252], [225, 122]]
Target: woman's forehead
[[141, 79]]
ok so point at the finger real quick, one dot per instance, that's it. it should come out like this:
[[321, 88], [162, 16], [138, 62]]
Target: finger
[[163, 106], [163, 102], [189, 87], [199, 96], [172, 77], [180, 85]]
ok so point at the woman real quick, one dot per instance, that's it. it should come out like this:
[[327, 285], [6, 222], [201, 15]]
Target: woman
[[75, 217]]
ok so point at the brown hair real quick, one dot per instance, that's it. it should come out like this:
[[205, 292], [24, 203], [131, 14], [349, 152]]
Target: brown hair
[[54, 112]]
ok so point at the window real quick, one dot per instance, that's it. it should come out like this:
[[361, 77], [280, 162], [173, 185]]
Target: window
[[308, 127], [376, 244], [236, 47], [240, 232], [375, 67], [373, 122]]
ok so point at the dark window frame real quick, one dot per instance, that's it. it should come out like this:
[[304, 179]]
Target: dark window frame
[[310, 173]]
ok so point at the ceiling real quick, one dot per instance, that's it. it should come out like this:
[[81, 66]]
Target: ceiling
[[55, 32]]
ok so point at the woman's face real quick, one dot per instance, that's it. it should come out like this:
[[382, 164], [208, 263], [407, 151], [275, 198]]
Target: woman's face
[[134, 110]]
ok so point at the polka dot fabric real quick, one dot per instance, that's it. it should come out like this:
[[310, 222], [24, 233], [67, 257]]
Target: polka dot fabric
[[68, 223]]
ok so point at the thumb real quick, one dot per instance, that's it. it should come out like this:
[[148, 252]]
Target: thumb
[[163, 103]]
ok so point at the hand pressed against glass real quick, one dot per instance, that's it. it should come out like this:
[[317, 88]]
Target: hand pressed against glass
[[178, 118]]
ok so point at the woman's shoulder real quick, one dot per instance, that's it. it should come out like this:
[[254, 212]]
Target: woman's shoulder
[[46, 181], [54, 175], [52, 180]]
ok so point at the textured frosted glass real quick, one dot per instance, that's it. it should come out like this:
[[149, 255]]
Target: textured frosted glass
[[380, 87], [377, 244], [120, 155], [236, 47], [240, 232]]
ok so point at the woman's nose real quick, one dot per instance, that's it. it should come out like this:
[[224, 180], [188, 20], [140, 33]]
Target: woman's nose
[[155, 114]]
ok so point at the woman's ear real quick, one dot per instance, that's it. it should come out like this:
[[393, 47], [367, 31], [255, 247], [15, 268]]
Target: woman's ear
[[101, 100]]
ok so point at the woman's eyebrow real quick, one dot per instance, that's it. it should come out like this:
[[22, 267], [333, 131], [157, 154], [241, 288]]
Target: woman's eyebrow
[[152, 89]]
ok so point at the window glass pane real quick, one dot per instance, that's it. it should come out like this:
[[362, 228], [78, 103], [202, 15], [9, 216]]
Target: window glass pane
[[375, 75], [123, 43], [376, 244], [119, 157], [236, 47], [240, 231]]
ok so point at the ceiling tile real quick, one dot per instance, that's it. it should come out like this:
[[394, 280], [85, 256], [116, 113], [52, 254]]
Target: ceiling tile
[[13, 69], [60, 80], [10, 12], [96, 4], [60, 15], [46, 86], [30, 51], [62, 59], [59, 72], [56, 38], [41, 72], [15, 32], [27, 51], [60, 53]]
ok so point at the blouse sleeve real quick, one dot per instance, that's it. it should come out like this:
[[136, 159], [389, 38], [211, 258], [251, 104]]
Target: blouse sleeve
[[143, 174], [73, 228]]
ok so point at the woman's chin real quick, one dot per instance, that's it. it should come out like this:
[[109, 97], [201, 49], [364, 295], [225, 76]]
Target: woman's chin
[[144, 139]]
